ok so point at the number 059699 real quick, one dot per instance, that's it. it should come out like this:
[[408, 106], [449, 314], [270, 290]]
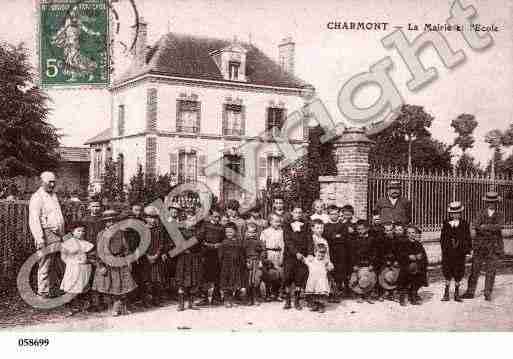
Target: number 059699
[[33, 342]]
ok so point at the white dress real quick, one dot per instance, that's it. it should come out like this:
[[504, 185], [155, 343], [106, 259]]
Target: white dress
[[317, 282], [78, 272]]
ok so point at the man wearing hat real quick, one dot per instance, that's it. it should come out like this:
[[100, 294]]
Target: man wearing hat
[[47, 226], [456, 243], [393, 207], [488, 246]]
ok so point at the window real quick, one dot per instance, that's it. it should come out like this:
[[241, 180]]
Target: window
[[233, 123], [275, 120], [188, 116], [120, 167], [121, 120], [233, 70], [187, 167], [273, 168]]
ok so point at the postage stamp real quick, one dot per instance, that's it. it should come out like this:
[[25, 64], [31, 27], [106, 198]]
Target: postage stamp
[[74, 43]]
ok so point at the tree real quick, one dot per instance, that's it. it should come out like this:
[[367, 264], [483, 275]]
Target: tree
[[28, 143], [136, 187], [408, 139], [112, 186], [464, 125]]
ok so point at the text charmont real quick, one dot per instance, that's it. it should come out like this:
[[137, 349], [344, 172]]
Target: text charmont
[[350, 25]]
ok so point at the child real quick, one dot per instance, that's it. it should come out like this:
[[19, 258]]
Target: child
[[348, 217], [298, 244], [233, 265], [272, 238], [256, 218], [389, 257], [317, 232], [224, 220], [317, 285], [363, 254], [318, 211], [155, 266], [115, 281], [253, 250], [456, 243], [188, 273], [399, 231], [413, 262], [211, 235], [78, 269], [232, 210]]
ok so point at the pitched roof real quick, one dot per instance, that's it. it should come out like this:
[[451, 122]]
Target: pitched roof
[[103, 136], [74, 154], [189, 56]]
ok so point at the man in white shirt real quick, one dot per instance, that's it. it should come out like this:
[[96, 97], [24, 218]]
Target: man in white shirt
[[47, 226]]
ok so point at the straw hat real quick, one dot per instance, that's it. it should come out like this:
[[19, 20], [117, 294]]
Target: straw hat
[[492, 196], [363, 281], [110, 215], [393, 184], [455, 207], [388, 277]]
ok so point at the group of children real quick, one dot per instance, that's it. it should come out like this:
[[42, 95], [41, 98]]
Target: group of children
[[289, 257]]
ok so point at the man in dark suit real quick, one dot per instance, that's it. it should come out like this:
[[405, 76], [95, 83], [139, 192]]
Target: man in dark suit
[[488, 246], [394, 207]]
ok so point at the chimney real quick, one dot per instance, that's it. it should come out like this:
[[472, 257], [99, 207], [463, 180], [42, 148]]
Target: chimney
[[286, 50], [139, 49]]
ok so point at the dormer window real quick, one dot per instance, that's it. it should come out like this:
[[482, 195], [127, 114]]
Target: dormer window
[[233, 70]]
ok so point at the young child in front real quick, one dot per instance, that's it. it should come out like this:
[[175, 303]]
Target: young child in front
[[233, 274], [317, 285], [78, 269], [317, 235], [273, 240], [253, 251]]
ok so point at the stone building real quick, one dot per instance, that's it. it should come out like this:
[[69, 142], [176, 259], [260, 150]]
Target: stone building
[[188, 102]]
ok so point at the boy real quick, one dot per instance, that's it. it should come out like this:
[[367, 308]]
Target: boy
[[363, 254], [154, 266], [253, 248], [456, 243], [278, 207], [272, 239], [388, 256], [298, 244], [232, 210], [413, 262], [211, 235], [336, 235]]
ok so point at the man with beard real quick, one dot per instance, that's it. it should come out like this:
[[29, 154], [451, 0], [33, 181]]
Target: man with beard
[[394, 207]]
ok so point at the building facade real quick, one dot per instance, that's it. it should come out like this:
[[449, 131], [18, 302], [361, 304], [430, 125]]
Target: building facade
[[188, 104]]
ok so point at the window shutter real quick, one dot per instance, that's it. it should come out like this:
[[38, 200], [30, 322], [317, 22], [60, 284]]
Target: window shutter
[[151, 109], [262, 167], [198, 111], [121, 120], [225, 120], [243, 120], [267, 119], [202, 165], [242, 167], [178, 115], [173, 164]]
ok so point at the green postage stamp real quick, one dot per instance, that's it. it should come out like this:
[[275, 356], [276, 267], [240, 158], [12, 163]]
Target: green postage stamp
[[74, 42]]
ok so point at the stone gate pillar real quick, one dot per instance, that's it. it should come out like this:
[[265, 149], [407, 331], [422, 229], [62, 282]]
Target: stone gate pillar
[[350, 185]]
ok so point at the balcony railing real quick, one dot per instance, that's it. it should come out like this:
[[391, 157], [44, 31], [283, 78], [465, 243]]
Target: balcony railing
[[233, 132], [187, 129]]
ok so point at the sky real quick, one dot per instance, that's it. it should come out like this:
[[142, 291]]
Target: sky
[[482, 85]]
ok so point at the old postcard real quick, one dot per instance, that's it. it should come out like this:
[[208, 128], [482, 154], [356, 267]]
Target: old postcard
[[255, 166]]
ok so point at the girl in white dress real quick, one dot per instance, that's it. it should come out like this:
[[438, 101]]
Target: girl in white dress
[[317, 285], [78, 269]]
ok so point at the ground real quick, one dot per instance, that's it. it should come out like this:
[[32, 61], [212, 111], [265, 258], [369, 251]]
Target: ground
[[433, 315]]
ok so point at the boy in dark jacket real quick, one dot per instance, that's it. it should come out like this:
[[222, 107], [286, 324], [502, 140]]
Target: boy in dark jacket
[[363, 252], [456, 243], [413, 262], [298, 244], [336, 234]]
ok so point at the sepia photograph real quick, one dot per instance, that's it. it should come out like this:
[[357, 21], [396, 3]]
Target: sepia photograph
[[239, 166]]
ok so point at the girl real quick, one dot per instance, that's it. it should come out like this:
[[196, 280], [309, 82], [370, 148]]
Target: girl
[[232, 210], [253, 251], [456, 243], [318, 210], [116, 281], [78, 270], [272, 239], [233, 265], [317, 285], [413, 262], [188, 265]]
